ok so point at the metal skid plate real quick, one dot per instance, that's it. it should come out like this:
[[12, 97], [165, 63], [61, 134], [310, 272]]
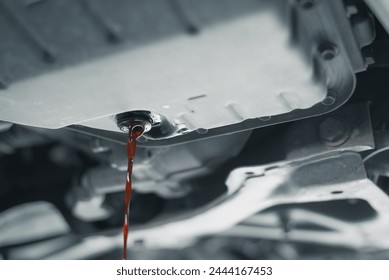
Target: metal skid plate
[[254, 64], [336, 176], [251, 190]]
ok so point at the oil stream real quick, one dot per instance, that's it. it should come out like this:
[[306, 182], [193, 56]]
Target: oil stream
[[135, 130]]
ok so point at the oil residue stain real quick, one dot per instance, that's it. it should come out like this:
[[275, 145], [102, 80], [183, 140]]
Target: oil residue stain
[[135, 130]]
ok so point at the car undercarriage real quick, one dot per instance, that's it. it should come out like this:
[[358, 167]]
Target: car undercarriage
[[265, 129]]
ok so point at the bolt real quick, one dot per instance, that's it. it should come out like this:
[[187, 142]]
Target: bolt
[[264, 118], [328, 51], [141, 118], [334, 131], [201, 130], [328, 100]]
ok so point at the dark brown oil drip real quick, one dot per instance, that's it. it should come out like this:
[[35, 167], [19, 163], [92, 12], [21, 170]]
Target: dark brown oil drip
[[135, 131]]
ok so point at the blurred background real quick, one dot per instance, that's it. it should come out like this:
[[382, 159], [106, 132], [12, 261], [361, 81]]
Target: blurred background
[[266, 129]]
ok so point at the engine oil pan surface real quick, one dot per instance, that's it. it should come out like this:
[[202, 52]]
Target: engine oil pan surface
[[241, 73]]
